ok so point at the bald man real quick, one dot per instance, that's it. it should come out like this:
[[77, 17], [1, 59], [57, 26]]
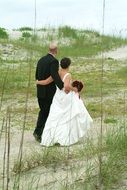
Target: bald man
[[46, 66]]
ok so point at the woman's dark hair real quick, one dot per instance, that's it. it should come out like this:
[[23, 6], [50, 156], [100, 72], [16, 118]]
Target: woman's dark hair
[[65, 62]]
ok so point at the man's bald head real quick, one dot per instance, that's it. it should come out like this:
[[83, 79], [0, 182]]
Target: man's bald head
[[53, 48]]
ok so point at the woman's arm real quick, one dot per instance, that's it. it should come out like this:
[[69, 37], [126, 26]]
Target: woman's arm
[[67, 84], [45, 82]]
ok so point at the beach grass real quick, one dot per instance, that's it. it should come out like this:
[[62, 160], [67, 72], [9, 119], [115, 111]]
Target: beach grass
[[19, 112]]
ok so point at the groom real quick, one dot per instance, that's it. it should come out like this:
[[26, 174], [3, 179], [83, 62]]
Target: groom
[[46, 66]]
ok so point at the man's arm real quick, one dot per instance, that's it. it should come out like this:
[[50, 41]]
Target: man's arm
[[55, 75], [45, 82]]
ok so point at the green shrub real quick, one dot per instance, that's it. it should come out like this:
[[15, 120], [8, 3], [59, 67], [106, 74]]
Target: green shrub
[[110, 120], [25, 28], [67, 31], [26, 35], [3, 33]]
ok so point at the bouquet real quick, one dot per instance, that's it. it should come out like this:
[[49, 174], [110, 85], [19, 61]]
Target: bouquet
[[78, 85]]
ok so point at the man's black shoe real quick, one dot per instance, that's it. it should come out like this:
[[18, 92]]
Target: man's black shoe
[[57, 144], [37, 138]]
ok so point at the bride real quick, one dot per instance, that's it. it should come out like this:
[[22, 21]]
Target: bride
[[68, 118]]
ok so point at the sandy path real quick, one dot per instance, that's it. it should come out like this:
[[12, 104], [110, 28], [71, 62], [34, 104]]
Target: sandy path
[[48, 176], [119, 53]]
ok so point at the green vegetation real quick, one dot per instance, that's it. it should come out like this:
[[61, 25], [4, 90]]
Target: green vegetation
[[3, 33], [25, 28], [68, 32], [115, 164], [26, 35], [104, 97]]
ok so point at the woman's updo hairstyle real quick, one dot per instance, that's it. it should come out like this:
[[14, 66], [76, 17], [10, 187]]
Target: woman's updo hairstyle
[[65, 62]]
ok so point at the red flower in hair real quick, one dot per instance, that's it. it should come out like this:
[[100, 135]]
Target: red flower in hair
[[78, 85]]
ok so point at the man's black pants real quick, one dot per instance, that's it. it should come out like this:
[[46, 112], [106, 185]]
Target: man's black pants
[[44, 105]]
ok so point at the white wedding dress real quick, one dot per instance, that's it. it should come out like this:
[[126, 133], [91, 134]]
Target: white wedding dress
[[68, 120]]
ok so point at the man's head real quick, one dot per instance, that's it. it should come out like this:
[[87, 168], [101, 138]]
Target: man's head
[[53, 48]]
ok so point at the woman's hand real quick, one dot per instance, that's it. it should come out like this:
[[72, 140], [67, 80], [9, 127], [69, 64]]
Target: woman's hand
[[75, 89], [67, 89]]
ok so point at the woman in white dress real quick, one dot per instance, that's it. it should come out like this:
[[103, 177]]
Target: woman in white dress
[[68, 118]]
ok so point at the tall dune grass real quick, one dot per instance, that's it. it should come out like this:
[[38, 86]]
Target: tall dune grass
[[79, 163]]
